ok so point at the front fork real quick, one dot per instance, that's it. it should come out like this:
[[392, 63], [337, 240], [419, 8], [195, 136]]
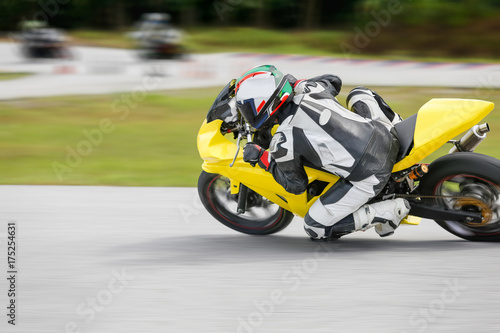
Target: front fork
[[242, 199], [244, 129]]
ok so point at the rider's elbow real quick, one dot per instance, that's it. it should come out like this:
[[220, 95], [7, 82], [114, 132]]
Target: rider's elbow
[[296, 187]]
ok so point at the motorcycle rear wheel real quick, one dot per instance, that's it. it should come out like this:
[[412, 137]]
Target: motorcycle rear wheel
[[262, 217], [476, 179]]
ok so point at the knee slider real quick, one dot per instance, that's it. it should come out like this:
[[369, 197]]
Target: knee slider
[[311, 232], [313, 228]]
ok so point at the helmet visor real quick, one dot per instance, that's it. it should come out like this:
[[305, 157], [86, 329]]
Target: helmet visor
[[248, 111]]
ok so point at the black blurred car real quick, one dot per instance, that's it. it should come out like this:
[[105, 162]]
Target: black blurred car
[[42, 42]]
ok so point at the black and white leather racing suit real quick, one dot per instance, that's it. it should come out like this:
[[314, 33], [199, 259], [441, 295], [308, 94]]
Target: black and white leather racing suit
[[317, 131]]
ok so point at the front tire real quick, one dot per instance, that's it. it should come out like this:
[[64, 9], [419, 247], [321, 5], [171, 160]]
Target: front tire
[[262, 217], [475, 178]]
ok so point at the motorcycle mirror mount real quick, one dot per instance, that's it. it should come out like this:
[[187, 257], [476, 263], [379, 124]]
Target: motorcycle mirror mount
[[248, 132]]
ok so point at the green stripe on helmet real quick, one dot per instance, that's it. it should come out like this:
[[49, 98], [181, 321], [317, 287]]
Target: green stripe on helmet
[[262, 68]]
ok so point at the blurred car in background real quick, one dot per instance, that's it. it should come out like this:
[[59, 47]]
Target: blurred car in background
[[39, 41], [156, 38]]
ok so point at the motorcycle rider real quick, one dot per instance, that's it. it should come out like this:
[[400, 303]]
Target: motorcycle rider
[[315, 130]]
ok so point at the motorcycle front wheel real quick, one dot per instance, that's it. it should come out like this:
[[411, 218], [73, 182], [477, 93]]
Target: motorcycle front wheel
[[468, 182], [262, 217]]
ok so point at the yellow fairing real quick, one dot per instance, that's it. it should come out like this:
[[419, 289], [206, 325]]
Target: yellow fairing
[[440, 120], [217, 152]]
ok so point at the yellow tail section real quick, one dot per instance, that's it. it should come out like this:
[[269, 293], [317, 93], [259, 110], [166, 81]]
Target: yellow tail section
[[440, 120]]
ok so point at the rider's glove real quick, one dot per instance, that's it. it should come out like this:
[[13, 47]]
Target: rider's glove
[[254, 154]]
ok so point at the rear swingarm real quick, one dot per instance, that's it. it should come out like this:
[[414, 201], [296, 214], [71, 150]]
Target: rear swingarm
[[425, 210]]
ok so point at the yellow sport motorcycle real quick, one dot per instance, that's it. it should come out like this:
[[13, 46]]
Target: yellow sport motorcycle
[[460, 190]]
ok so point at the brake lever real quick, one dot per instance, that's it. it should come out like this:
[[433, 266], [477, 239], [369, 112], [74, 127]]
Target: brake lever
[[237, 149]]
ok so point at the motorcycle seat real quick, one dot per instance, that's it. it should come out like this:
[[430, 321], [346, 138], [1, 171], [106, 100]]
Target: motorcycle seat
[[405, 131]]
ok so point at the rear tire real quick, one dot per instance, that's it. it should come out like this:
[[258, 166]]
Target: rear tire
[[471, 175], [261, 218]]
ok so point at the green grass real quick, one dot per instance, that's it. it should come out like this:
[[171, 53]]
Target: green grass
[[155, 145], [118, 39], [230, 39], [12, 76], [264, 41]]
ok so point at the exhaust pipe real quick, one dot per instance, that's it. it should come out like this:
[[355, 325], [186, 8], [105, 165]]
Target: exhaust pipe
[[471, 139]]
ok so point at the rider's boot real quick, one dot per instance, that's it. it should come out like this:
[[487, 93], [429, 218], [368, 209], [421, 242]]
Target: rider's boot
[[385, 216]]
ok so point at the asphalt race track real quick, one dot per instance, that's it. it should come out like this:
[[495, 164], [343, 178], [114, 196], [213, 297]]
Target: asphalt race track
[[132, 259]]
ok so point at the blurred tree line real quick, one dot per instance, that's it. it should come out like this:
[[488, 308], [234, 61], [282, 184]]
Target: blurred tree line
[[286, 14], [116, 14]]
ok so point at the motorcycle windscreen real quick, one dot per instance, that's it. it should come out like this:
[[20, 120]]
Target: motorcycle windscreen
[[440, 120]]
